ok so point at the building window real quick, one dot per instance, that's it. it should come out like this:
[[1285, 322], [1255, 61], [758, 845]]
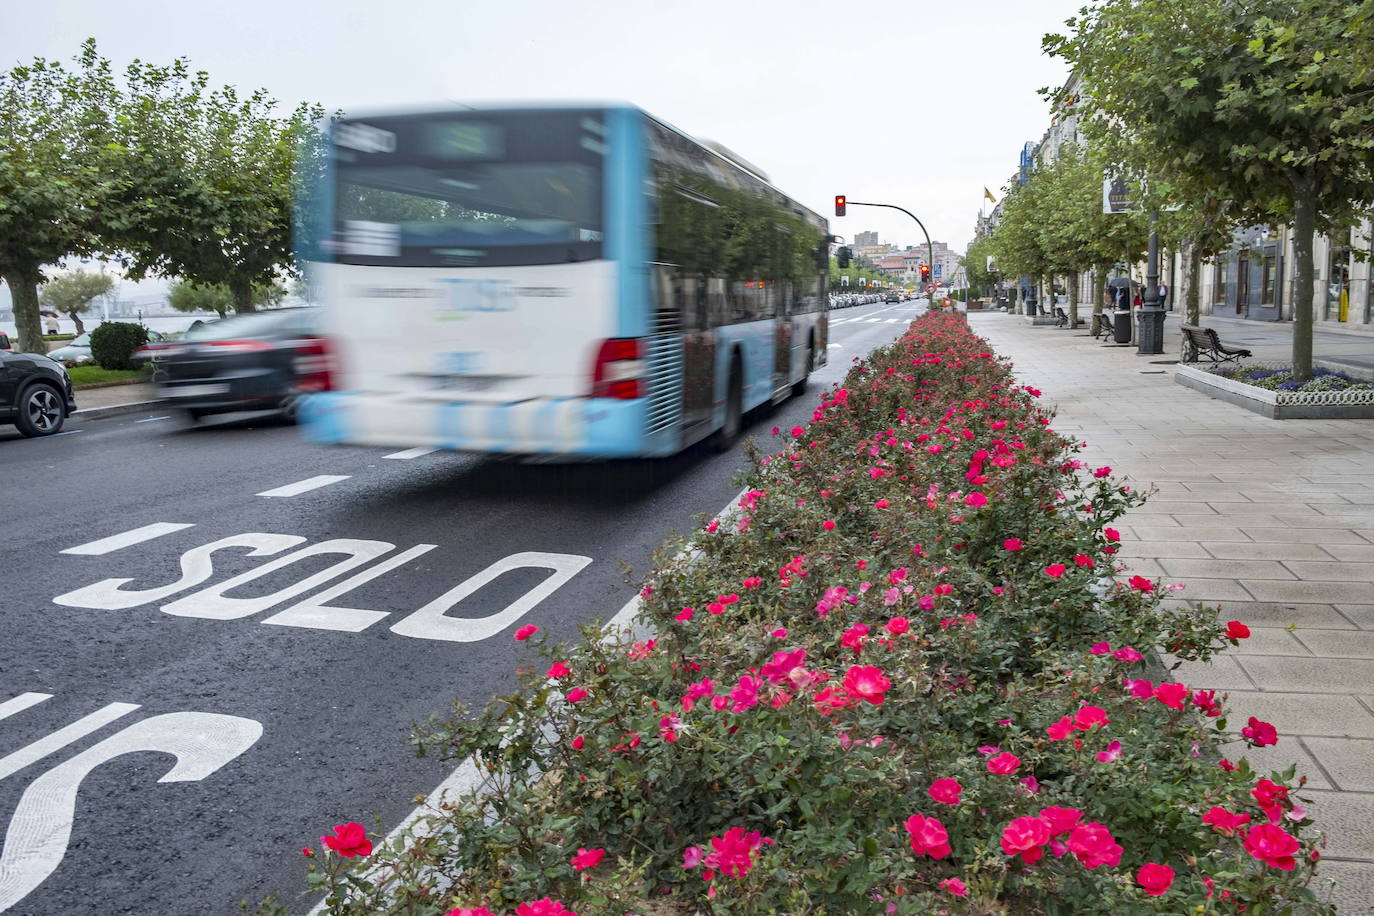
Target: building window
[[1268, 280], [1219, 285]]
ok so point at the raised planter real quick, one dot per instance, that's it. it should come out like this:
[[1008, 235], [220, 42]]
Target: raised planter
[[1279, 405]]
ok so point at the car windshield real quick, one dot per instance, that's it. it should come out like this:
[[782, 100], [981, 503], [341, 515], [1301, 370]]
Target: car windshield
[[83, 340]]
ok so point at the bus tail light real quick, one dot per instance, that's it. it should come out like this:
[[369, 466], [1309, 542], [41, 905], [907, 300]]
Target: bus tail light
[[313, 365], [619, 369]]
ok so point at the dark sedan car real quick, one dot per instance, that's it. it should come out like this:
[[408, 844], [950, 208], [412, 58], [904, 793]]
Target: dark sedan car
[[260, 361], [35, 392]]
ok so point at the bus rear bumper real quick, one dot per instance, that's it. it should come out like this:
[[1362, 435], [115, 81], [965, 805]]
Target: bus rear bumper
[[587, 427]]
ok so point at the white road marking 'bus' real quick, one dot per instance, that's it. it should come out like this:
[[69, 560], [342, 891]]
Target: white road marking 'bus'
[[21, 703], [305, 486], [410, 453], [41, 827], [31, 753], [127, 539]]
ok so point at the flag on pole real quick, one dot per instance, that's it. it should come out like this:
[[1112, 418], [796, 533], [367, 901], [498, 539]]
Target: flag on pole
[[988, 194]]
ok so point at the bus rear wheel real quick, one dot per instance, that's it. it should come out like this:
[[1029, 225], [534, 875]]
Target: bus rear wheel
[[800, 387], [728, 434]]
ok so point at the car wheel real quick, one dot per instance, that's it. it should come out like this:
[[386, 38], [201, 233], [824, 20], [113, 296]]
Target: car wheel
[[41, 411], [291, 408], [193, 416]]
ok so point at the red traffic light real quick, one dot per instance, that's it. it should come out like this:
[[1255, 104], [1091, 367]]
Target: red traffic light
[[839, 205], [925, 271]]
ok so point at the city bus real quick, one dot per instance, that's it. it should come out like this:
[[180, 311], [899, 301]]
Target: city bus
[[575, 281]]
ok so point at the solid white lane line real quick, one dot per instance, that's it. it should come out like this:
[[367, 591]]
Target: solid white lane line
[[31, 753], [410, 453], [305, 486], [120, 541], [151, 419], [21, 703]]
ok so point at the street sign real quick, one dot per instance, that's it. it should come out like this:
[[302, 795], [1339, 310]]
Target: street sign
[[938, 269]]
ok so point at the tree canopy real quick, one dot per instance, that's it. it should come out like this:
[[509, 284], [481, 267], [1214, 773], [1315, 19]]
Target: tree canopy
[[73, 293]]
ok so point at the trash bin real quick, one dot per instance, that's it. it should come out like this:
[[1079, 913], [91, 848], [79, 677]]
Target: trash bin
[[1121, 326]]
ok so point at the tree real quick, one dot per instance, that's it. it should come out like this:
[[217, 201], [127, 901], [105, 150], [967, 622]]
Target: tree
[[205, 180], [1017, 242], [53, 125], [188, 296], [1234, 96], [73, 293], [975, 262]]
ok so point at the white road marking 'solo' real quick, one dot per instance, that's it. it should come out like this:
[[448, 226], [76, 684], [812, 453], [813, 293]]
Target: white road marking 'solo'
[[127, 539]]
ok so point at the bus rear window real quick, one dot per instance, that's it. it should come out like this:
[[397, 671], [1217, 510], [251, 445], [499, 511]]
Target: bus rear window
[[446, 190]]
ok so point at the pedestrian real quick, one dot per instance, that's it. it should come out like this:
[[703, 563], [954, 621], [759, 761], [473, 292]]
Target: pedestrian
[[1136, 301], [1163, 295], [50, 324]]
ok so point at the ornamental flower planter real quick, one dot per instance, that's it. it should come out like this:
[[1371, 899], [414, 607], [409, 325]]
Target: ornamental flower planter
[[893, 680], [1279, 405]]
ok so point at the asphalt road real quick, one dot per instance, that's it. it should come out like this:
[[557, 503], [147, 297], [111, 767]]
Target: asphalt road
[[282, 720]]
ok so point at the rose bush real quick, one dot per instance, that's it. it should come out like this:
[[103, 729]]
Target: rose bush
[[900, 679]]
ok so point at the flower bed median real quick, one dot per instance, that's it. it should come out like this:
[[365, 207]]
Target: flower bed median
[[894, 683]]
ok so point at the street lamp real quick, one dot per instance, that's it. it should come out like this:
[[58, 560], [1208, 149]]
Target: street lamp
[[1150, 321]]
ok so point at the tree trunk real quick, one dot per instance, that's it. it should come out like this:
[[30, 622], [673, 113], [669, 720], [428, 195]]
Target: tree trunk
[[241, 288], [23, 286], [1193, 298], [221, 313], [1304, 225], [1073, 300], [76, 318], [1099, 296]]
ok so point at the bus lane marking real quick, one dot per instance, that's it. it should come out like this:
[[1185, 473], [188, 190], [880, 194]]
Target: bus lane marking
[[305, 486], [32, 753], [127, 539], [41, 826], [22, 702]]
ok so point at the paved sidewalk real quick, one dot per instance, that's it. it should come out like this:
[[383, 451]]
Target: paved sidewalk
[[115, 395], [1271, 519]]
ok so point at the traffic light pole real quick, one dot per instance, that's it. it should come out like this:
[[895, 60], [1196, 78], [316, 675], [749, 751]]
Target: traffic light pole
[[930, 249]]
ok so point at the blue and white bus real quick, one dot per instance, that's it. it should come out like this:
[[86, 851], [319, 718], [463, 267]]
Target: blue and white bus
[[579, 281]]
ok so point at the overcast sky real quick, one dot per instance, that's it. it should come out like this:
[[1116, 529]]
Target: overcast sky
[[915, 103]]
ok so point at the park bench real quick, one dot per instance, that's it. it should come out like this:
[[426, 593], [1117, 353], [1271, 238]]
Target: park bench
[[1062, 315], [1206, 343], [1105, 326]]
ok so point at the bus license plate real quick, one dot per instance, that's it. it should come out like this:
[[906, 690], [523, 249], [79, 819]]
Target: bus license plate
[[469, 383]]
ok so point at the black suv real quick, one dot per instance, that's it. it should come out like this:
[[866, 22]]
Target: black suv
[[35, 392]]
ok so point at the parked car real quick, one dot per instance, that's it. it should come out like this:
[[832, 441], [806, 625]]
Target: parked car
[[259, 361], [35, 392], [78, 350], [893, 297]]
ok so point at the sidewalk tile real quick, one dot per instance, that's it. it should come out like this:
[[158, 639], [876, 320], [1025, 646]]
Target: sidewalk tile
[[1276, 758], [1324, 592], [1338, 644], [1229, 551], [1353, 888], [1334, 571], [1279, 641], [1361, 614], [1160, 549], [1214, 590], [1157, 532], [1139, 566], [1299, 535], [1262, 507], [1276, 614], [1347, 819], [1319, 714], [1227, 569], [1308, 675], [1349, 761], [1355, 553], [1221, 673]]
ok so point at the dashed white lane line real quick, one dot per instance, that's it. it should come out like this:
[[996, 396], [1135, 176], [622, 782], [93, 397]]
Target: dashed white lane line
[[410, 453], [305, 486], [152, 419], [22, 702], [120, 541]]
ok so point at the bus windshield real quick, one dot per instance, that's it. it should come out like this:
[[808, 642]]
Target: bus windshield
[[500, 188]]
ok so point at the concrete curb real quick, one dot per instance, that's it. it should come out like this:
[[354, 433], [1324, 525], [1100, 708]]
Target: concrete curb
[[114, 410]]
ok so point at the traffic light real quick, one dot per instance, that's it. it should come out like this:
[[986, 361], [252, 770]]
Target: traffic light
[[839, 205], [925, 272]]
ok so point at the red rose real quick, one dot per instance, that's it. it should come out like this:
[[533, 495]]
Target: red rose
[[349, 840], [1272, 845], [928, 836], [587, 858], [1004, 764], [1155, 878], [1223, 821], [1261, 734], [1094, 845], [1237, 630], [526, 632], [945, 790], [1172, 695], [1055, 570], [1026, 837]]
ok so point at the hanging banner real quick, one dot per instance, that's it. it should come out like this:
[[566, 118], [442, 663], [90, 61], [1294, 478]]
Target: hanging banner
[[1117, 196]]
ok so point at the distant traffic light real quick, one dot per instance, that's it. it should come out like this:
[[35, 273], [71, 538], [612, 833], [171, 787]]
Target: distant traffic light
[[839, 205], [925, 271]]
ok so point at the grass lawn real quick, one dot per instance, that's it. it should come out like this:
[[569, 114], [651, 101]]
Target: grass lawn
[[94, 376]]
